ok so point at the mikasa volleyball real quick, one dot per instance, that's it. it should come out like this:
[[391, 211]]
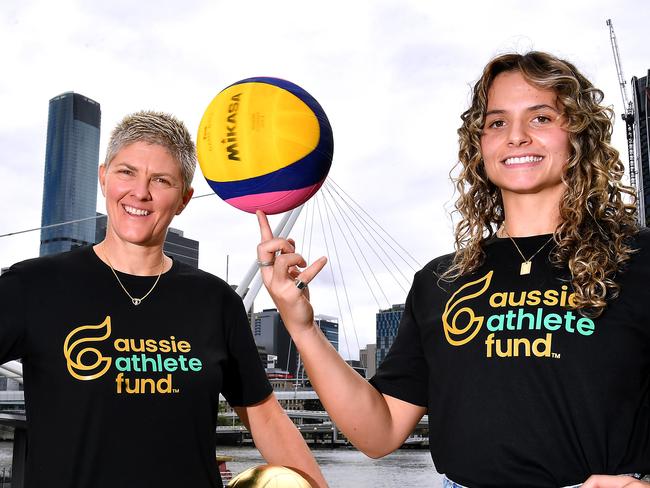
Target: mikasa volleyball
[[265, 143]]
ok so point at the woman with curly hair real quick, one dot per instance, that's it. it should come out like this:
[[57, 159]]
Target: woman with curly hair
[[529, 347]]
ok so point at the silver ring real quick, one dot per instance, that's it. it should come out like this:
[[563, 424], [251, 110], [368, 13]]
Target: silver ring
[[263, 264], [301, 285]]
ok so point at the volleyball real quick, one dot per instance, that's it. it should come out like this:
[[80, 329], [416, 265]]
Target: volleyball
[[265, 143], [267, 476]]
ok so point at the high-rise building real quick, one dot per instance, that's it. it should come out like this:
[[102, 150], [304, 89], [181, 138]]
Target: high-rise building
[[182, 248], [641, 100], [330, 327], [368, 358], [176, 245], [269, 332], [70, 182], [387, 324]]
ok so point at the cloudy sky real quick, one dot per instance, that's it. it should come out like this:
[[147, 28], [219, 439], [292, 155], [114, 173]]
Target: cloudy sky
[[392, 75]]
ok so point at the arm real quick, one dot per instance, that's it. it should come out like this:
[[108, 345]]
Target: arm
[[270, 428], [376, 424], [603, 481]]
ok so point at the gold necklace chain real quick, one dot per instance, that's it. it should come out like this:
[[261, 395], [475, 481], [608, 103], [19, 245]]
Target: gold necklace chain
[[527, 264], [134, 300]]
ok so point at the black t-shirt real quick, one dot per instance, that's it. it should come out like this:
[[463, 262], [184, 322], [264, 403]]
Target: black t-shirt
[[119, 395], [520, 389]]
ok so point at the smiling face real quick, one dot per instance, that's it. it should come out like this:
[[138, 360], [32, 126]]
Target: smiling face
[[143, 190], [524, 144]]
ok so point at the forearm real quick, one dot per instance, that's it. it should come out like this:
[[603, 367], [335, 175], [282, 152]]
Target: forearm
[[374, 423], [357, 408], [272, 428], [605, 481]]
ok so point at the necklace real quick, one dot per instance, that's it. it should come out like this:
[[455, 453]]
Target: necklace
[[136, 301], [527, 264]]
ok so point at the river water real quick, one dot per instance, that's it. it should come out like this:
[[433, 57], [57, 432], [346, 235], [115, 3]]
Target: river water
[[342, 467], [345, 468]]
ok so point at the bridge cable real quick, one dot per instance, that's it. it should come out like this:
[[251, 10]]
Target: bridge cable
[[332, 273], [378, 245], [68, 222], [378, 225], [345, 290], [354, 255], [347, 218], [372, 232]]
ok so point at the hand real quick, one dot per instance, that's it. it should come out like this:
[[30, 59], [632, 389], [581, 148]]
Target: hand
[[604, 481], [280, 278]]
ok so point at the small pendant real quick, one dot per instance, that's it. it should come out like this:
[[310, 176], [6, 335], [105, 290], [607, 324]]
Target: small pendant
[[525, 268], [137, 301]]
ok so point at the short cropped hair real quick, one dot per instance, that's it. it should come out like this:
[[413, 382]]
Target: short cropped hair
[[156, 128]]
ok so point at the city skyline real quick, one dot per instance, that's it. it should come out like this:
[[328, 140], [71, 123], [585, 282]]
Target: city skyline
[[393, 78]]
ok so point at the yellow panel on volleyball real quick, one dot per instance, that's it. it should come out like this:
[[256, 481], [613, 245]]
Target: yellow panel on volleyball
[[252, 129]]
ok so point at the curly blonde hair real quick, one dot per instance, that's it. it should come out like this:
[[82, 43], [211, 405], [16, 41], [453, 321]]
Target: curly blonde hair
[[597, 211]]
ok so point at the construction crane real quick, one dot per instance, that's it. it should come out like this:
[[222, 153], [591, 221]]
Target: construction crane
[[628, 116]]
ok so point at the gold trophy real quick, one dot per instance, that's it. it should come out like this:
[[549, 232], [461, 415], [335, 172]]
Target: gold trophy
[[267, 476]]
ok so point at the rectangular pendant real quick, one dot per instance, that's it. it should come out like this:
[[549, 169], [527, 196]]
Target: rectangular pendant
[[525, 268]]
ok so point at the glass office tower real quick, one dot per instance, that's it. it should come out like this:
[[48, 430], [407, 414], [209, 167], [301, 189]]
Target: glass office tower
[[330, 327], [269, 332], [387, 324], [70, 182]]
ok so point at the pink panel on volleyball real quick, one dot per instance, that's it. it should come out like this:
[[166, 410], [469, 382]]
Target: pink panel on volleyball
[[276, 201]]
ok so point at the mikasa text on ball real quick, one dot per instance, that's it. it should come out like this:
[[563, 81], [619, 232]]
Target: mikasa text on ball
[[265, 143]]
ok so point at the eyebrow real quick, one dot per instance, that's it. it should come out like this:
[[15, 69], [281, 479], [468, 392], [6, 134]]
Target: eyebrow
[[168, 175], [133, 168], [529, 109], [126, 165]]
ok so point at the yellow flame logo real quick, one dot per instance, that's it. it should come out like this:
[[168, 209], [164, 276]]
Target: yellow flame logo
[[459, 332], [84, 362]]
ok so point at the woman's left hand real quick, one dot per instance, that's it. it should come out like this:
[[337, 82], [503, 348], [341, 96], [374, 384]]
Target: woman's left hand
[[280, 266], [605, 481]]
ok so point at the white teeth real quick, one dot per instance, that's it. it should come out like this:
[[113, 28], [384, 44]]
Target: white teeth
[[523, 159], [136, 211]]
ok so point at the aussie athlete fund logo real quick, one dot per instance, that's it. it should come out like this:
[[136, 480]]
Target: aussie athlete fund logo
[[513, 312], [140, 365]]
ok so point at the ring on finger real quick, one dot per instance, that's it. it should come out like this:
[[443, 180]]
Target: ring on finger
[[263, 264], [301, 285]]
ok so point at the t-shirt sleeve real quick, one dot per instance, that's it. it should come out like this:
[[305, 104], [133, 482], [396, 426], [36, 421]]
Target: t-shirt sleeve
[[404, 374], [12, 316], [244, 379]]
